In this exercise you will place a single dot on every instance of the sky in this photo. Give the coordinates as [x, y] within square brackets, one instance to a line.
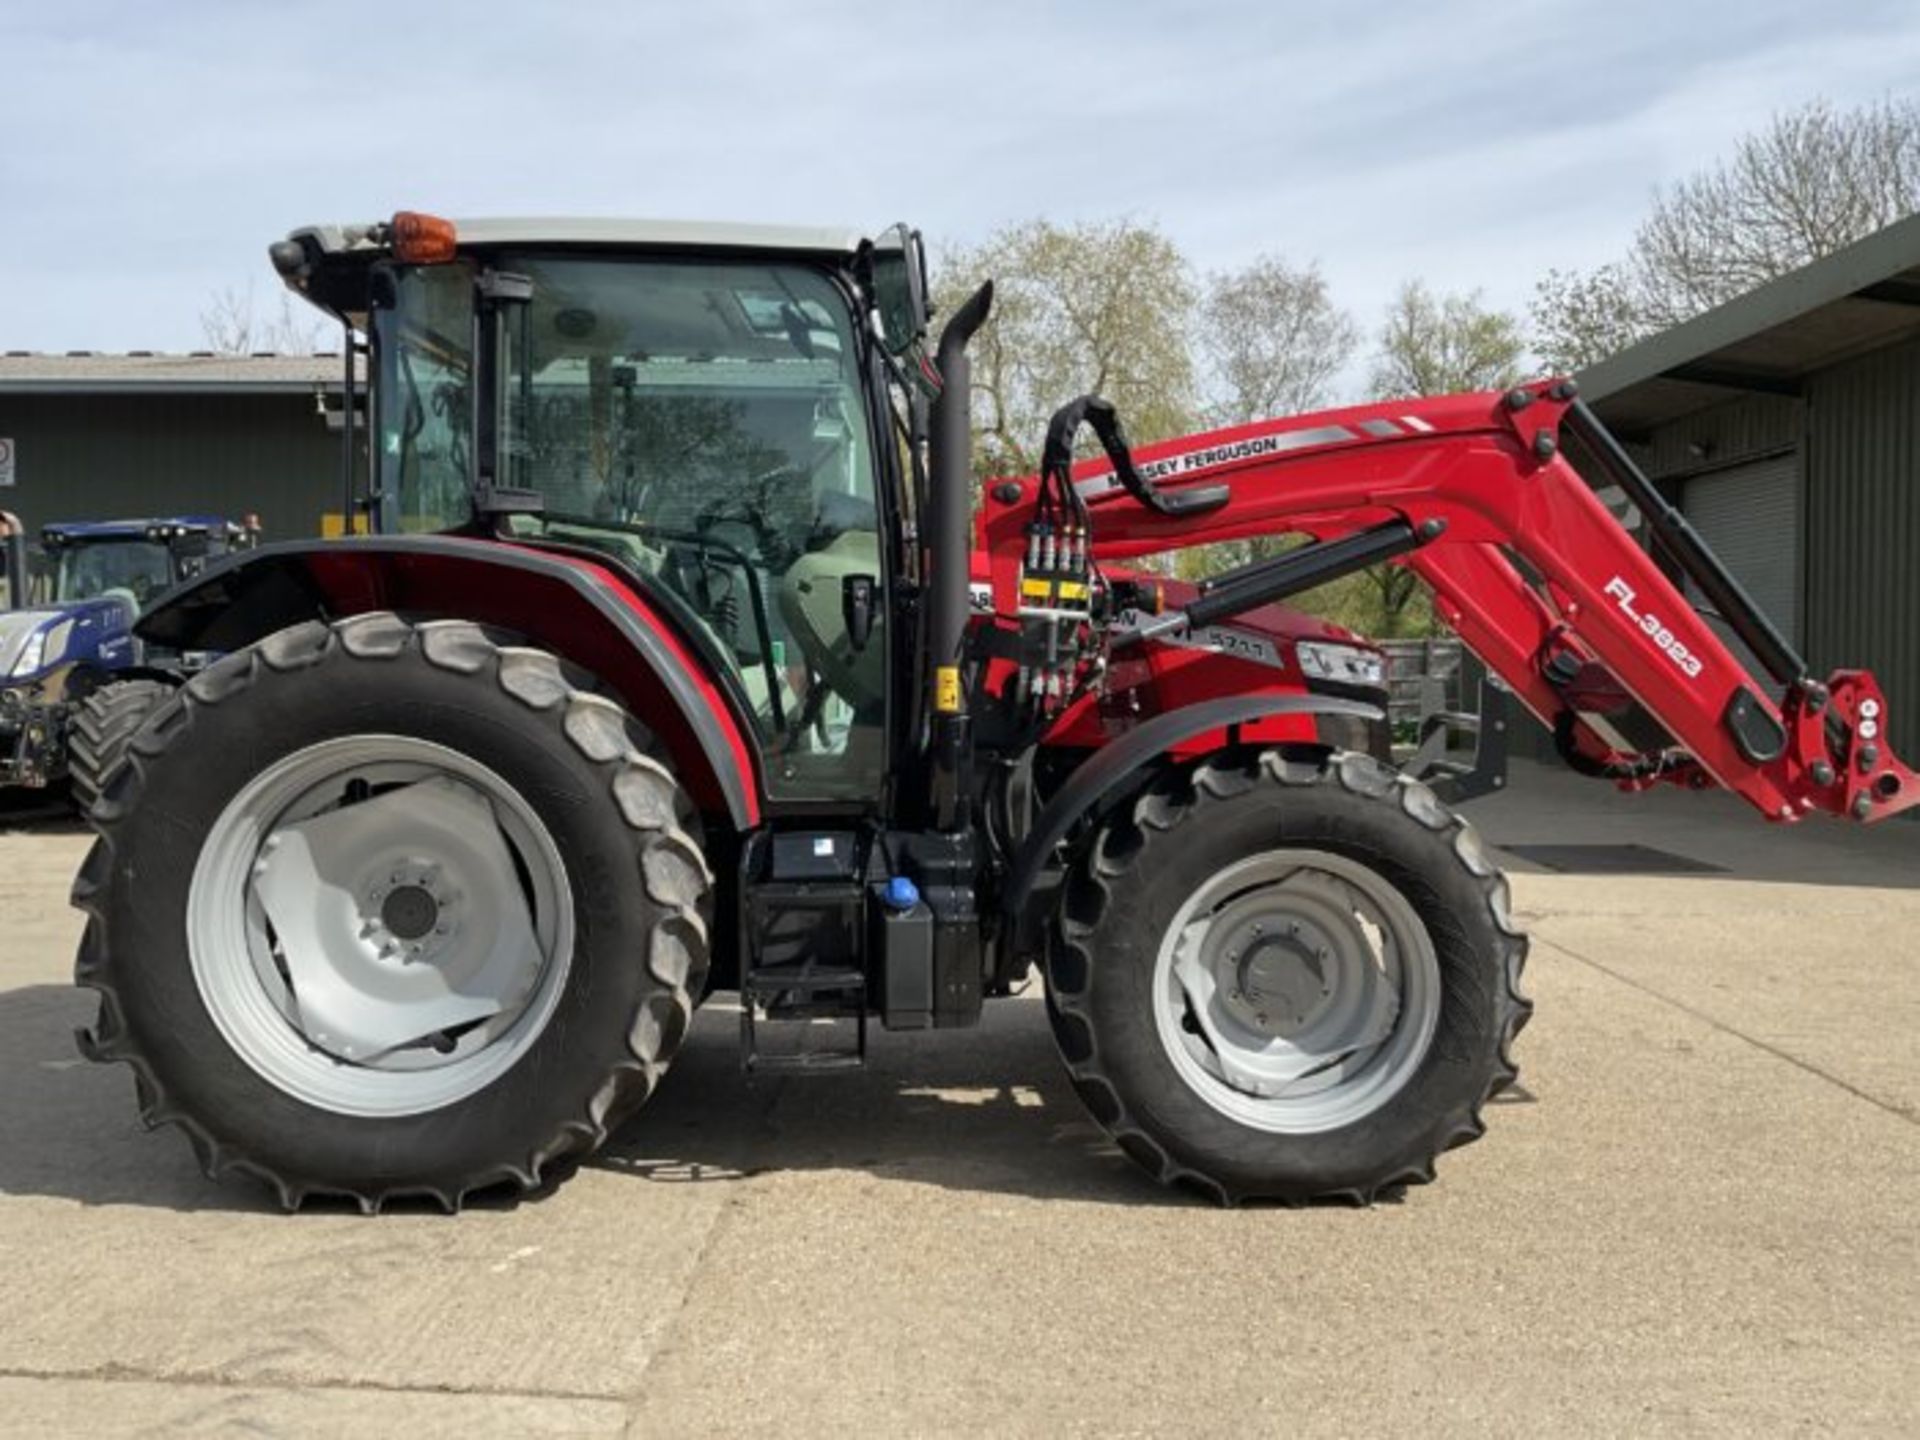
[149, 152]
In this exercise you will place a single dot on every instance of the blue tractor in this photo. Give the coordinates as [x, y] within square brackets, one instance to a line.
[75, 682]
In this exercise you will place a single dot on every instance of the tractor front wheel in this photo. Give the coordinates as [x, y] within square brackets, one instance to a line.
[384, 909]
[104, 726]
[1287, 976]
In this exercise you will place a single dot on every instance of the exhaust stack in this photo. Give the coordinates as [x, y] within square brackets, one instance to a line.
[949, 548]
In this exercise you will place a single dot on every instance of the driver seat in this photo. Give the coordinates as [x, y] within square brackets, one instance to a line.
[810, 602]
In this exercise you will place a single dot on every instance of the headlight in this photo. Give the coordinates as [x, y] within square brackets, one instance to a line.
[32, 655]
[1346, 664]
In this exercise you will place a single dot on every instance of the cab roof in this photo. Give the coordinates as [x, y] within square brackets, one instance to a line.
[605, 232]
[74, 531]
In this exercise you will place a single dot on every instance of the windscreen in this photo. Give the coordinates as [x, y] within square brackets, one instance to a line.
[702, 422]
[142, 569]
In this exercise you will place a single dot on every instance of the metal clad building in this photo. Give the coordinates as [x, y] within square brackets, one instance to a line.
[101, 437]
[1786, 424]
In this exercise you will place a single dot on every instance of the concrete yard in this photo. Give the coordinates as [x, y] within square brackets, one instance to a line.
[1698, 1215]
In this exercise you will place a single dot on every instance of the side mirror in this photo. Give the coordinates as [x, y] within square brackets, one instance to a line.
[856, 608]
[897, 271]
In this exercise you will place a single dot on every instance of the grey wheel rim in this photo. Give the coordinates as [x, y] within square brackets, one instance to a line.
[379, 926]
[1296, 991]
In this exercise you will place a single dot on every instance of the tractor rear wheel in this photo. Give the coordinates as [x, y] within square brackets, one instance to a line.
[104, 725]
[383, 909]
[1287, 976]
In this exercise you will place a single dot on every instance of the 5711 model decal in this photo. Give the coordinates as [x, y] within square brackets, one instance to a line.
[1650, 625]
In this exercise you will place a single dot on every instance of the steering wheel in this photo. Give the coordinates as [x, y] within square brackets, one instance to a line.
[777, 507]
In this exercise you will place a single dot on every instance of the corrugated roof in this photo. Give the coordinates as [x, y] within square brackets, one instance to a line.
[149, 372]
[1768, 340]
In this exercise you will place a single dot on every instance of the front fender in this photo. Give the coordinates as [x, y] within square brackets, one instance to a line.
[1110, 769]
[577, 608]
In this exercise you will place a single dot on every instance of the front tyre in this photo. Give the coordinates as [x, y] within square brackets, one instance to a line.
[1287, 976]
[381, 909]
[103, 727]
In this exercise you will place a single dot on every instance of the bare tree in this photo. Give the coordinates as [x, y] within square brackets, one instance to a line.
[1098, 306]
[1272, 340]
[1813, 181]
[233, 325]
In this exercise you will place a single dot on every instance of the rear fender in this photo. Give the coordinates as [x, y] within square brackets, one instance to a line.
[581, 610]
[1108, 772]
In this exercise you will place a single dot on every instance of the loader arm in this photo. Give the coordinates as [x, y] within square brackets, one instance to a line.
[1534, 573]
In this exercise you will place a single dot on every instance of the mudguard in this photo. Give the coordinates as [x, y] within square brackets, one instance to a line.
[1111, 768]
[580, 608]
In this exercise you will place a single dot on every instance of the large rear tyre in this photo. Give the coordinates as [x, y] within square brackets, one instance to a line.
[104, 726]
[1288, 976]
[381, 909]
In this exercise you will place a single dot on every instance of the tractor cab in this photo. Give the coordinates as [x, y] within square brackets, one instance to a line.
[134, 561]
[704, 407]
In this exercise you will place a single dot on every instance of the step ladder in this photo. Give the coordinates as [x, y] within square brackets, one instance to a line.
[784, 984]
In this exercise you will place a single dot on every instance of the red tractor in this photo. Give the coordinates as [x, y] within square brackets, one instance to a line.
[661, 673]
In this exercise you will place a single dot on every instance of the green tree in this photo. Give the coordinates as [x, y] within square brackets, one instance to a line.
[1103, 306]
[1429, 345]
[1811, 181]
[1444, 344]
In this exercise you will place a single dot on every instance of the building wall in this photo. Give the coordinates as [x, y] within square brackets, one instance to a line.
[1862, 533]
[1730, 433]
[108, 456]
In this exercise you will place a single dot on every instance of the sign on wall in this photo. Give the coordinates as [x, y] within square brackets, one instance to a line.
[6, 461]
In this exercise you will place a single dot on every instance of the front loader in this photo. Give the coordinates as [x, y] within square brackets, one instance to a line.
[678, 661]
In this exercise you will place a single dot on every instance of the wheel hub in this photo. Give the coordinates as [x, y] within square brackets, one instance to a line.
[1279, 983]
[410, 911]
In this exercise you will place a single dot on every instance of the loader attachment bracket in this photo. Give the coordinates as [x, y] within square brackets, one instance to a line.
[1454, 782]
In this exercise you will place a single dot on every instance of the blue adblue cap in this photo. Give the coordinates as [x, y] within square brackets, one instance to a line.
[901, 893]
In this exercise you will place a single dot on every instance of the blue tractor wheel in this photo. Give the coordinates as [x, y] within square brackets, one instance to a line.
[103, 727]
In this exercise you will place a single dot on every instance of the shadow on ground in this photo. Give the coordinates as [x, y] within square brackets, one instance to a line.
[39, 812]
[985, 1110]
